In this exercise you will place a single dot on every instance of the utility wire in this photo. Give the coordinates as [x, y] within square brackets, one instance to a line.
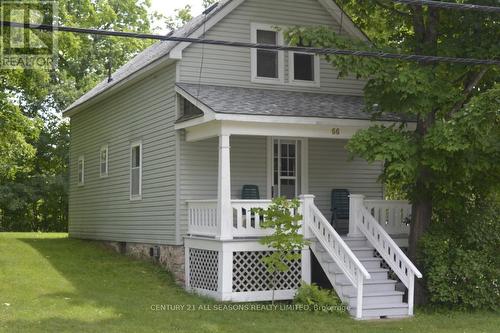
[320, 51]
[451, 5]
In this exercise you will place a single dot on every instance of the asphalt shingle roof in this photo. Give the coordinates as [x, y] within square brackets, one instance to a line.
[146, 57]
[266, 102]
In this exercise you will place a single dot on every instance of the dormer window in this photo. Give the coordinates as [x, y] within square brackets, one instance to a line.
[304, 68]
[267, 65]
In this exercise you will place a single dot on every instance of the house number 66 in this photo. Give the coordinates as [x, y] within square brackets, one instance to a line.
[335, 131]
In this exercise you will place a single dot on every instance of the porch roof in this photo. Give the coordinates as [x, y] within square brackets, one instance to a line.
[267, 102]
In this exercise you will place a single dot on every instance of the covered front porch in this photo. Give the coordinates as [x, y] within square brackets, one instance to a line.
[234, 157]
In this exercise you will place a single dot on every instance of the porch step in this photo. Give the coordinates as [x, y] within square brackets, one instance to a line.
[363, 252]
[378, 297]
[355, 241]
[385, 310]
[376, 274]
[371, 262]
[369, 286]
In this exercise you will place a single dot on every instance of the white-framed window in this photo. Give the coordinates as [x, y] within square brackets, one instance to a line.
[304, 68]
[103, 161]
[136, 170]
[81, 170]
[267, 65]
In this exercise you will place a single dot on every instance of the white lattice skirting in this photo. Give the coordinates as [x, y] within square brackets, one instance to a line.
[203, 269]
[250, 273]
[234, 271]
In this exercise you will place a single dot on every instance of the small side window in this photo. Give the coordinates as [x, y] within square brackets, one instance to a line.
[81, 170]
[103, 161]
[136, 171]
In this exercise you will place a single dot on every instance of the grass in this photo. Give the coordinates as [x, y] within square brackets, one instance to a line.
[49, 283]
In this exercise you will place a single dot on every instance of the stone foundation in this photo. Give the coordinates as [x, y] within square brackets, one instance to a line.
[171, 257]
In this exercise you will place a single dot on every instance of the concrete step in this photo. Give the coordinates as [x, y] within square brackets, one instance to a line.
[388, 310]
[369, 286]
[373, 298]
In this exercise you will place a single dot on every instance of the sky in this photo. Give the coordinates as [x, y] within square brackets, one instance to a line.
[167, 7]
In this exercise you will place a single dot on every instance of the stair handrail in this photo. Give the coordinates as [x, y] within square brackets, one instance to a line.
[329, 238]
[390, 252]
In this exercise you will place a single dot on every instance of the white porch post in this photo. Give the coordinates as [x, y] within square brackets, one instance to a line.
[224, 209]
[355, 204]
[307, 200]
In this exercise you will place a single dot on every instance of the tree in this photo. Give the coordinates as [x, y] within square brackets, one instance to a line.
[33, 137]
[286, 241]
[424, 162]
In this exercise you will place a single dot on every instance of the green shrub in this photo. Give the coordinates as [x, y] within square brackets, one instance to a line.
[461, 260]
[313, 298]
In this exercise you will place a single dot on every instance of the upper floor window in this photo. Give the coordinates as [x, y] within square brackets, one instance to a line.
[135, 170]
[81, 170]
[304, 68]
[103, 161]
[267, 65]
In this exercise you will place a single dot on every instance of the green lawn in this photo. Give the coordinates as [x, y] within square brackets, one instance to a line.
[49, 283]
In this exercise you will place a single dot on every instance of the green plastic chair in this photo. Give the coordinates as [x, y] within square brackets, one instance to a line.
[250, 192]
[340, 210]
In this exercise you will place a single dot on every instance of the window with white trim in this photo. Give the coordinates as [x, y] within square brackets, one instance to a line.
[303, 68]
[103, 161]
[135, 171]
[81, 170]
[267, 65]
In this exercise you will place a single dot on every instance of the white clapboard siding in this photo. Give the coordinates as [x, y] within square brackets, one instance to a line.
[101, 209]
[330, 167]
[231, 66]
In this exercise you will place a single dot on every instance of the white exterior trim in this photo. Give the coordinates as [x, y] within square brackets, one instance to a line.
[347, 24]
[176, 52]
[334, 129]
[253, 55]
[291, 71]
[133, 145]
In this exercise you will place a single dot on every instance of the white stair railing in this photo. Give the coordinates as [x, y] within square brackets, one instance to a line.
[393, 215]
[338, 250]
[390, 252]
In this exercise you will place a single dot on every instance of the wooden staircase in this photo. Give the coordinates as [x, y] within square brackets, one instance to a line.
[380, 297]
[353, 263]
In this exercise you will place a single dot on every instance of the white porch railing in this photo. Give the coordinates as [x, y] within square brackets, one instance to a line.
[368, 225]
[340, 253]
[393, 215]
[202, 217]
[247, 223]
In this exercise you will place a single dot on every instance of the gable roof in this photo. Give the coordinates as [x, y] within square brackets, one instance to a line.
[150, 55]
[153, 55]
[266, 102]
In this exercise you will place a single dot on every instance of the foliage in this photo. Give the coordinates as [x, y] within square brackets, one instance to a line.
[460, 258]
[316, 299]
[437, 158]
[55, 284]
[286, 241]
[181, 17]
[33, 137]
[16, 132]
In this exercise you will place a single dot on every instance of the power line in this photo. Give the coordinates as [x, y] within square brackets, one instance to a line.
[451, 5]
[320, 51]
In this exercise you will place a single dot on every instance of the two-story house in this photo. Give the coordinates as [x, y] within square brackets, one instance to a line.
[170, 156]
